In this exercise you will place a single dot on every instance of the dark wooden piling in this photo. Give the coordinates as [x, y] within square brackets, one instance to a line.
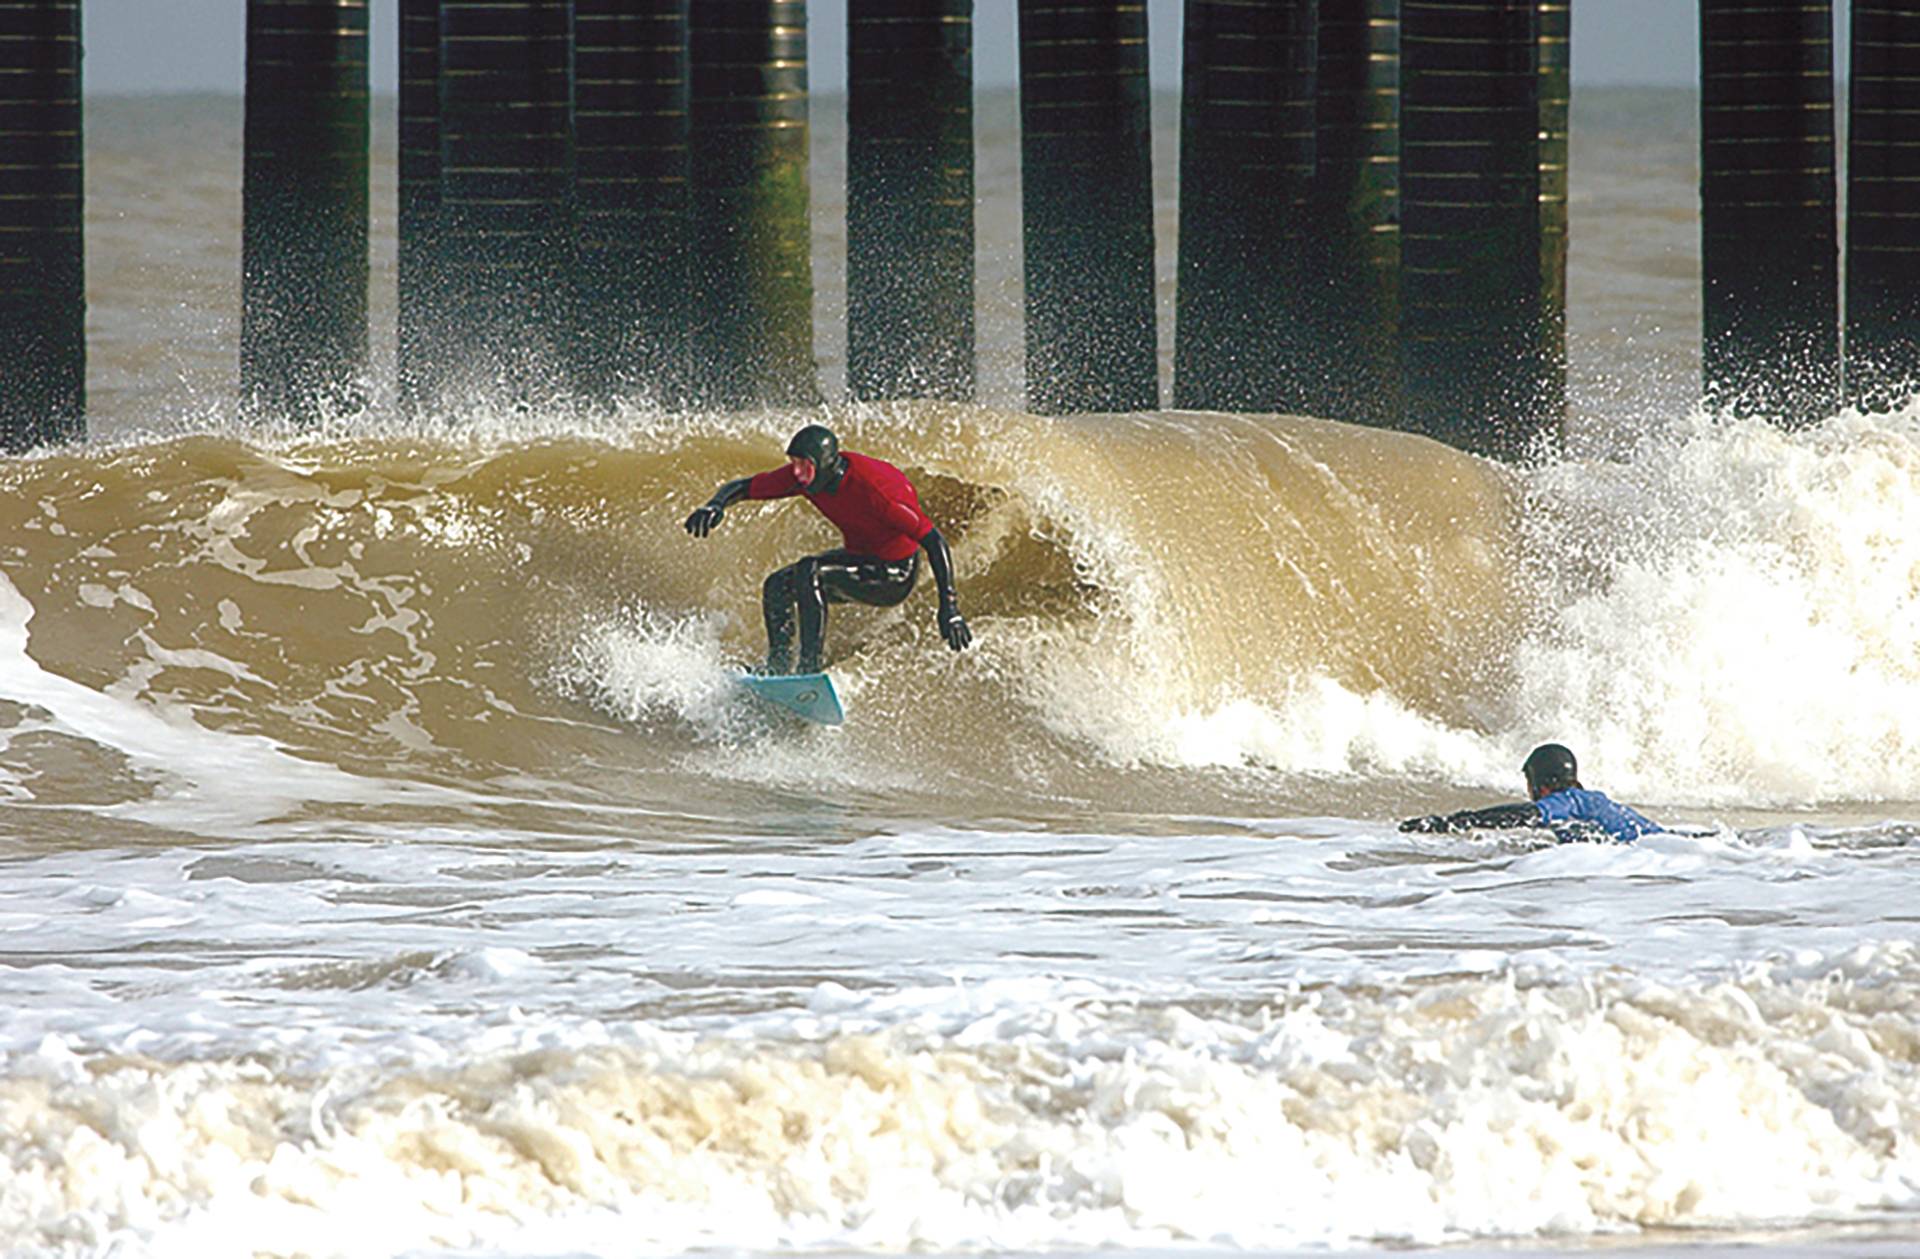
[506, 183]
[753, 330]
[43, 300]
[303, 300]
[1769, 247]
[418, 282]
[1883, 205]
[1556, 101]
[1471, 226]
[910, 239]
[1250, 278]
[1356, 210]
[633, 244]
[1087, 201]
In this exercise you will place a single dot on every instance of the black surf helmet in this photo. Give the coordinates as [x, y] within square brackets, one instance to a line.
[1550, 767]
[817, 442]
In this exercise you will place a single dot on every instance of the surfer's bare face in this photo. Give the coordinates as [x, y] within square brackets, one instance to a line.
[802, 469]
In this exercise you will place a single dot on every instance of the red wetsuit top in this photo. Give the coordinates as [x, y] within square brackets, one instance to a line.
[875, 506]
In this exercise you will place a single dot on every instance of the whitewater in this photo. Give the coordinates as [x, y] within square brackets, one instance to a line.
[388, 865]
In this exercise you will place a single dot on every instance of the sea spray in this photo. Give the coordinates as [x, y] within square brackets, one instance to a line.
[1732, 617]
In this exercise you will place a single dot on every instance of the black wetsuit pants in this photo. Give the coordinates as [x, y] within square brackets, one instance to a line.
[810, 585]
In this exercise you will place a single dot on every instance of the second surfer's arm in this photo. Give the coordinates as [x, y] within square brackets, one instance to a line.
[1494, 818]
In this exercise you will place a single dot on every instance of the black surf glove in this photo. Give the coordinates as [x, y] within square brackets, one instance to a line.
[953, 626]
[705, 520]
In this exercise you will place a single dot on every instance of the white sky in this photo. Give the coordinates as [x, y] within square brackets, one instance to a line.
[199, 45]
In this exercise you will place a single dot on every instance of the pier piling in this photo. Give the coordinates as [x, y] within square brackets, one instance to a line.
[1252, 285]
[303, 315]
[1883, 205]
[1769, 248]
[1555, 41]
[910, 236]
[506, 182]
[634, 230]
[43, 301]
[1087, 202]
[1471, 226]
[419, 281]
[753, 338]
[1356, 212]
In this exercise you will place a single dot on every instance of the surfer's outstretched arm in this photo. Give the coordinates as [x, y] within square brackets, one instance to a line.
[1499, 817]
[703, 519]
[953, 626]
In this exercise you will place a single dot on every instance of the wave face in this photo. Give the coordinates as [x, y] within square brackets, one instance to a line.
[1726, 618]
[459, 610]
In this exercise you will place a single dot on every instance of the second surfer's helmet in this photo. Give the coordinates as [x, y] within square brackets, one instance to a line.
[817, 442]
[1550, 767]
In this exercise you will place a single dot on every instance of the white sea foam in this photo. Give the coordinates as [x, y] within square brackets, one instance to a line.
[1737, 611]
[649, 666]
[1472, 1107]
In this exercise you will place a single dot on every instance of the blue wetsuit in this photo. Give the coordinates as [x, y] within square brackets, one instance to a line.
[1574, 814]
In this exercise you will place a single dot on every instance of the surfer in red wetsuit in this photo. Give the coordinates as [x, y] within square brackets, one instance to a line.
[881, 526]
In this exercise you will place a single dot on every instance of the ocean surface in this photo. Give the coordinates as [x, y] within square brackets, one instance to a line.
[388, 865]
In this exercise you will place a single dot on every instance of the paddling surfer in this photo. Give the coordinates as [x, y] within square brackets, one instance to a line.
[1556, 801]
[882, 531]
